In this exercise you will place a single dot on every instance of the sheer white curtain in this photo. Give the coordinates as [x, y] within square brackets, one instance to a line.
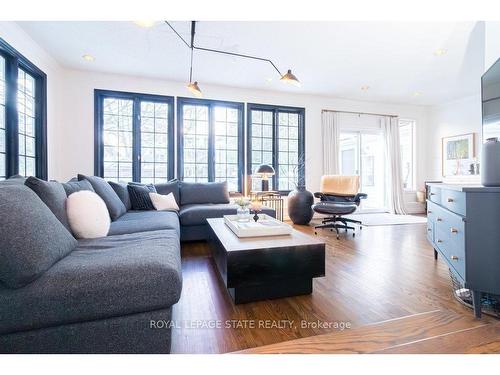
[330, 131]
[394, 186]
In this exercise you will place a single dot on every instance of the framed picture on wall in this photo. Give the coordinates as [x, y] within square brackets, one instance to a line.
[457, 154]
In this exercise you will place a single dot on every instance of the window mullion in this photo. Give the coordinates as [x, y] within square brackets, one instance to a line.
[136, 140]
[11, 116]
[211, 143]
[275, 149]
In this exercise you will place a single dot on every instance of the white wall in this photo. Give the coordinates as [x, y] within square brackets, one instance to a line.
[459, 116]
[76, 151]
[22, 42]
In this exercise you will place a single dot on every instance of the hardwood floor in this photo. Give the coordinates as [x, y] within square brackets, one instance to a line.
[384, 273]
[389, 336]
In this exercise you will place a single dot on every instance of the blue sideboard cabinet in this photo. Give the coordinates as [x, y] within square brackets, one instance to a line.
[463, 226]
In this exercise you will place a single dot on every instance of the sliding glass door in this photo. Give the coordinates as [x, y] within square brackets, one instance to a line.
[362, 154]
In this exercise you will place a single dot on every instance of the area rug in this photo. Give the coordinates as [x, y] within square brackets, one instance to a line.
[376, 219]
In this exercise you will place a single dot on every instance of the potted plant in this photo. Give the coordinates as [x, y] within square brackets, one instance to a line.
[243, 212]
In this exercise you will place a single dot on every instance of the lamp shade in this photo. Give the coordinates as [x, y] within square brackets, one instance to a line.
[289, 77]
[195, 90]
[265, 169]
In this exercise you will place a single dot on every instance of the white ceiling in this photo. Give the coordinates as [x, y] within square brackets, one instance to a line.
[395, 59]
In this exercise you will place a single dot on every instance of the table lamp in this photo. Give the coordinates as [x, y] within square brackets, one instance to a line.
[264, 171]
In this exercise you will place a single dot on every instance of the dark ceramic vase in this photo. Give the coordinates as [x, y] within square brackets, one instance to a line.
[299, 205]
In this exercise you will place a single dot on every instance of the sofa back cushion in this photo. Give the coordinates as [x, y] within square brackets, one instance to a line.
[53, 195]
[73, 185]
[172, 186]
[31, 237]
[122, 191]
[139, 196]
[206, 192]
[114, 204]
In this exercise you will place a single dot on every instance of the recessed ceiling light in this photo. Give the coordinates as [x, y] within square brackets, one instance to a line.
[440, 52]
[88, 57]
[269, 79]
[365, 88]
[145, 23]
[417, 93]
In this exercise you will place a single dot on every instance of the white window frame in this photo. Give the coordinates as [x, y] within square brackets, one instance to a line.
[412, 123]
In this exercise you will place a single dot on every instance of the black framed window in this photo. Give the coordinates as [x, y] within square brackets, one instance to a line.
[276, 137]
[23, 116]
[3, 135]
[133, 136]
[210, 141]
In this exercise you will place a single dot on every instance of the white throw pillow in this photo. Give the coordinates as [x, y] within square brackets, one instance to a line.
[88, 215]
[164, 202]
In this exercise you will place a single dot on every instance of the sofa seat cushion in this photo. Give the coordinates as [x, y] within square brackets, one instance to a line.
[102, 278]
[144, 221]
[197, 214]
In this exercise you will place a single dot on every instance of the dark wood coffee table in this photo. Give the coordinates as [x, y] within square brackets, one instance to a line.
[260, 268]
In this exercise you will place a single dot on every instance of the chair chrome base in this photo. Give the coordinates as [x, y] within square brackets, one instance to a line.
[332, 223]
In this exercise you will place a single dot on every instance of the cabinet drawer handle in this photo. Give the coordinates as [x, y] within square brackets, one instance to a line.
[429, 212]
[450, 200]
[453, 230]
[439, 219]
[431, 194]
[440, 241]
[454, 257]
[429, 230]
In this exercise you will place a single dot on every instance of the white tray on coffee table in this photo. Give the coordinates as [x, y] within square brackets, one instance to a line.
[265, 226]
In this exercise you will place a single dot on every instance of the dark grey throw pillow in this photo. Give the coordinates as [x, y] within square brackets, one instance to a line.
[206, 192]
[114, 204]
[53, 195]
[165, 188]
[139, 196]
[122, 191]
[73, 185]
[31, 237]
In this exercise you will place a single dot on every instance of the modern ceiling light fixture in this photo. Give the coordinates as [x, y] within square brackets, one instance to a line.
[193, 86]
[288, 77]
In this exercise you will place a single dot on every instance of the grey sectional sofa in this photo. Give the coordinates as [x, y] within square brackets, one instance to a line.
[62, 295]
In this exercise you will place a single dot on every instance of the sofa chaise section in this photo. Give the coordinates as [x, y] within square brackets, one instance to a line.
[99, 282]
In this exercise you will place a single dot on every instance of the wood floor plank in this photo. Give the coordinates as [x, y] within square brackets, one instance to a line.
[477, 340]
[375, 337]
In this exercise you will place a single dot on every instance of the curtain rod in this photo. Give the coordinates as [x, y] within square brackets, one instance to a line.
[359, 113]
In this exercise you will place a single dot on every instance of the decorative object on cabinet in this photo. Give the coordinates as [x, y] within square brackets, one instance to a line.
[462, 226]
[457, 154]
[490, 171]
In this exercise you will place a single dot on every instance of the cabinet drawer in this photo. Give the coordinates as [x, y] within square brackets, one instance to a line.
[434, 194]
[453, 201]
